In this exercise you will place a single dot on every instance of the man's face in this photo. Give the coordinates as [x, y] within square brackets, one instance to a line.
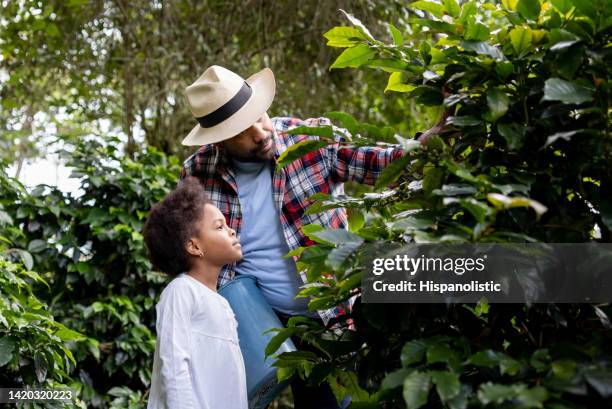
[254, 144]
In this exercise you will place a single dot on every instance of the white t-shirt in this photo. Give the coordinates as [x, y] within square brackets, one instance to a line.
[197, 363]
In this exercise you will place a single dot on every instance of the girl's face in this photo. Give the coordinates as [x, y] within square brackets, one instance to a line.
[215, 239]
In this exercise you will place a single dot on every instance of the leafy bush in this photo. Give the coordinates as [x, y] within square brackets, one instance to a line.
[34, 347]
[99, 279]
[521, 153]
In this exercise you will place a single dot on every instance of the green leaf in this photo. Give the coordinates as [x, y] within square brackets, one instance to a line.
[416, 389]
[52, 30]
[447, 384]
[452, 7]
[468, 10]
[344, 37]
[460, 401]
[587, 7]
[562, 5]
[398, 38]
[346, 120]
[521, 39]
[411, 223]
[562, 135]
[302, 148]
[432, 180]
[393, 171]
[504, 68]
[529, 9]
[5, 218]
[601, 381]
[395, 379]
[563, 45]
[395, 83]
[455, 189]
[460, 170]
[36, 246]
[357, 23]
[425, 51]
[413, 352]
[533, 397]
[441, 353]
[505, 202]
[7, 346]
[498, 102]
[322, 303]
[66, 334]
[354, 57]
[336, 236]
[277, 340]
[311, 228]
[477, 31]
[557, 35]
[428, 95]
[497, 393]
[345, 383]
[556, 89]
[483, 48]
[479, 210]
[390, 65]
[540, 360]
[26, 259]
[40, 366]
[513, 133]
[340, 254]
[463, 121]
[325, 131]
[434, 8]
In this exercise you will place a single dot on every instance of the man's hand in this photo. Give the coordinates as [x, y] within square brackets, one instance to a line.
[436, 129]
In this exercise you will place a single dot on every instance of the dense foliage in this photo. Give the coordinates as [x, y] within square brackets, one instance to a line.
[119, 68]
[33, 345]
[98, 279]
[521, 153]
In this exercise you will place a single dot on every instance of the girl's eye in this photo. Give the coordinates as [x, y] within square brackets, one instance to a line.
[219, 227]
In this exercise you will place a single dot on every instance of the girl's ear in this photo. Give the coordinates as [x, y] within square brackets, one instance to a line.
[194, 248]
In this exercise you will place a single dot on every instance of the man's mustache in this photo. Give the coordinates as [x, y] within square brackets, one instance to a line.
[262, 144]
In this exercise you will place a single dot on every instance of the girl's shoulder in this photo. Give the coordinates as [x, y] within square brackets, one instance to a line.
[179, 286]
[184, 286]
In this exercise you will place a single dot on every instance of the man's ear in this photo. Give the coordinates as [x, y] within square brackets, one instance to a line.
[194, 248]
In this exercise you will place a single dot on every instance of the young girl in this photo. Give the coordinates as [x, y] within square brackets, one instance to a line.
[197, 361]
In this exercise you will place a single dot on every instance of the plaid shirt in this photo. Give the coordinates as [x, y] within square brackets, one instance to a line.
[324, 170]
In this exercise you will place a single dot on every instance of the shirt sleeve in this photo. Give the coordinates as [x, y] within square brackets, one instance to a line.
[173, 330]
[188, 167]
[360, 164]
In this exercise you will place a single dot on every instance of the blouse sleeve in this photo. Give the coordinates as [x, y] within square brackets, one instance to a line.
[173, 330]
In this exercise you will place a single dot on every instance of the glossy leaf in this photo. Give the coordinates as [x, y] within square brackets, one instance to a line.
[556, 89]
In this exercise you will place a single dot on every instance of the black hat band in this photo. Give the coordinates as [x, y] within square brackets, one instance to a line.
[228, 109]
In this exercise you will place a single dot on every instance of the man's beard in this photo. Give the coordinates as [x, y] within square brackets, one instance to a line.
[258, 154]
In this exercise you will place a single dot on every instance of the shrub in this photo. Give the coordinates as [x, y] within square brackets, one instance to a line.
[521, 153]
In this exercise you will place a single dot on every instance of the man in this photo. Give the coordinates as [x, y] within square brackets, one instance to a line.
[236, 162]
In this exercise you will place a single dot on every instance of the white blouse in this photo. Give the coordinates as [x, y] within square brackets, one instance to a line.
[197, 363]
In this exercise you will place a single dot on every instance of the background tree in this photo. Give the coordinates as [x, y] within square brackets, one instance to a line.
[127, 63]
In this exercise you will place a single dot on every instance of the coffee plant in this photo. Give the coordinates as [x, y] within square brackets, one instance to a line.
[521, 153]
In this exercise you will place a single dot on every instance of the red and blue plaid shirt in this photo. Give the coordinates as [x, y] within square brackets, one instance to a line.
[324, 170]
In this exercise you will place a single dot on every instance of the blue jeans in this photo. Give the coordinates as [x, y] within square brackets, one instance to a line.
[311, 397]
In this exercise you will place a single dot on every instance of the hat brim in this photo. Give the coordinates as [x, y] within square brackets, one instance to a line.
[263, 87]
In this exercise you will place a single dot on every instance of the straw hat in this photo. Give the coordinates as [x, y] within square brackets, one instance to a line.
[224, 104]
